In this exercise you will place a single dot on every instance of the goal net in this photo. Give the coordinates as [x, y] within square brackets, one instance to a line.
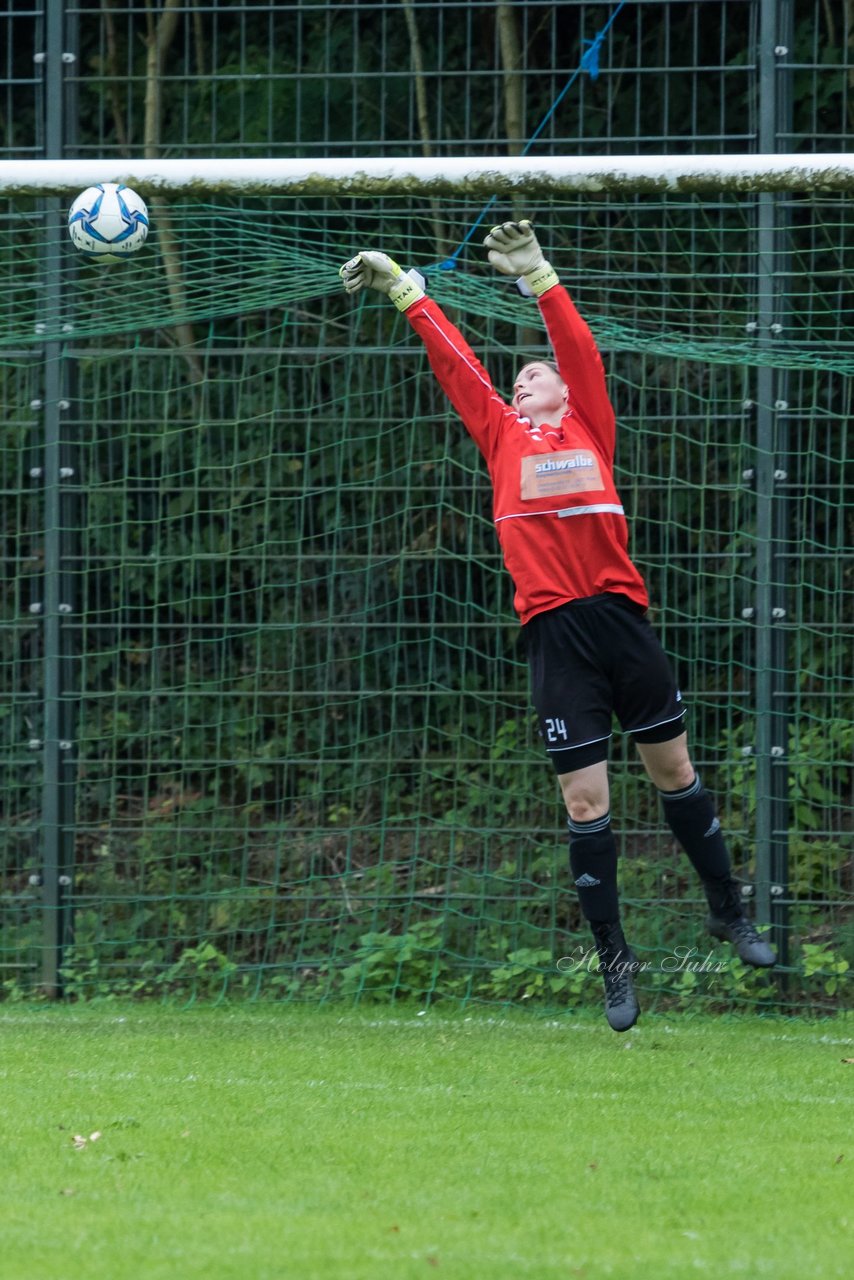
[259, 638]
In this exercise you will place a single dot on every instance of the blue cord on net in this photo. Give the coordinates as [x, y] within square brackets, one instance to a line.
[590, 64]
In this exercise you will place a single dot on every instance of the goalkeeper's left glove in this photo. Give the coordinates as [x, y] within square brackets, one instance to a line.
[373, 270]
[515, 251]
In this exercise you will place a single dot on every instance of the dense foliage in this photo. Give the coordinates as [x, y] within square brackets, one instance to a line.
[304, 756]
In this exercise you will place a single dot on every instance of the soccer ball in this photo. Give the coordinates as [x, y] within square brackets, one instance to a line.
[108, 222]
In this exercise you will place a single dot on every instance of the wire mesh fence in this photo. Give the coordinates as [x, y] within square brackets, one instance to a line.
[290, 732]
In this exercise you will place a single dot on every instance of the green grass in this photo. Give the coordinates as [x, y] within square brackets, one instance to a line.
[259, 1143]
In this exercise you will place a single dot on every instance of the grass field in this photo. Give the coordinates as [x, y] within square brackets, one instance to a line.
[255, 1143]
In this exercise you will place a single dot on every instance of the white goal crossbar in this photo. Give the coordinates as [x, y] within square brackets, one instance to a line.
[450, 176]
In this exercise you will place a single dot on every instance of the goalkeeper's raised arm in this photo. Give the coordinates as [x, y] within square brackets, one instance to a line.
[458, 370]
[580, 598]
[515, 251]
[550, 449]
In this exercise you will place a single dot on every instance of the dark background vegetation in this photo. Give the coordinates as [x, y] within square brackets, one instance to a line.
[303, 757]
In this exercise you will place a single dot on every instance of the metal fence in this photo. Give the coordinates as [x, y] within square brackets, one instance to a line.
[318, 79]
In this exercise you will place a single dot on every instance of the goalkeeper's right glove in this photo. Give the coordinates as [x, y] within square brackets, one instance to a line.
[373, 270]
[515, 251]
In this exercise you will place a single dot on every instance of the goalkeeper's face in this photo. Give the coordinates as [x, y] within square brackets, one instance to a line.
[540, 393]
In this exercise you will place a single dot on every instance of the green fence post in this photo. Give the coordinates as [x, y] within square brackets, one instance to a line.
[772, 691]
[55, 604]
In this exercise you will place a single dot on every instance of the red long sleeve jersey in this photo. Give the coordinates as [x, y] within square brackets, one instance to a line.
[559, 518]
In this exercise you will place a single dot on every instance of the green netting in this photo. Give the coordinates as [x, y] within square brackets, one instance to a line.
[679, 279]
[300, 757]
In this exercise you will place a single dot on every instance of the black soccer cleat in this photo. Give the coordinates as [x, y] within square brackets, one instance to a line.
[750, 946]
[617, 963]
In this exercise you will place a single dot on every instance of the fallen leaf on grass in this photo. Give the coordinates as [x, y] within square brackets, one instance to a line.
[79, 1142]
[839, 1159]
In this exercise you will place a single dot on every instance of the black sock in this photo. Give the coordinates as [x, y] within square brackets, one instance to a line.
[692, 819]
[593, 861]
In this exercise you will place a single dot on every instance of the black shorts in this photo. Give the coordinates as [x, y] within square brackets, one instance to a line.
[589, 660]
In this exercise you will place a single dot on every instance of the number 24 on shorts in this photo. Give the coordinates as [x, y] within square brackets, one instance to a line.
[556, 731]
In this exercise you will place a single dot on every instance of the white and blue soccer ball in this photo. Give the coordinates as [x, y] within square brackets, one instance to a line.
[108, 222]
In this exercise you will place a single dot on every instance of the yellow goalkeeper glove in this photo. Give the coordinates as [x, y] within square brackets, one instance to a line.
[515, 251]
[371, 270]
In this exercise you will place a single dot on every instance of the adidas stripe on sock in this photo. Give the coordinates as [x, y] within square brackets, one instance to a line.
[593, 862]
[691, 816]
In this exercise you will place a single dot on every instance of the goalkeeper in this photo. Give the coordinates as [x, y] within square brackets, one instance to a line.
[582, 602]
